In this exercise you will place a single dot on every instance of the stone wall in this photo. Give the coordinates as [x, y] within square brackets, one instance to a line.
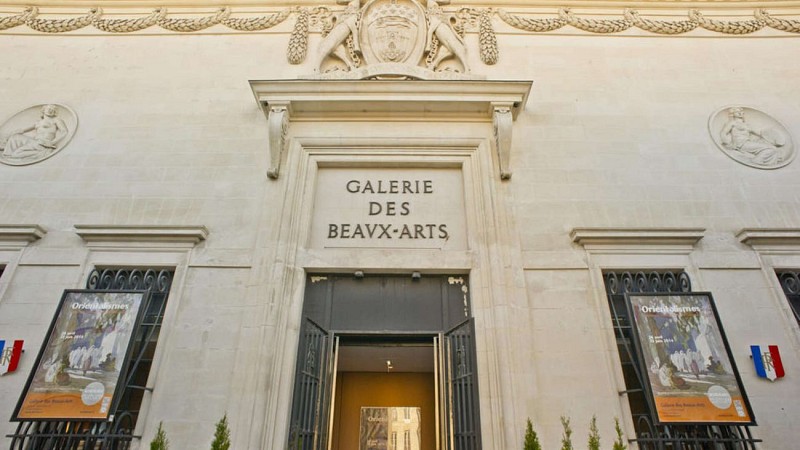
[614, 134]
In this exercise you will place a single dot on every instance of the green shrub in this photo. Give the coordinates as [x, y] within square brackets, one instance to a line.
[619, 444]
[531, 438]
[594, 435]
[566, 438]
[160, 442]
[222, 436]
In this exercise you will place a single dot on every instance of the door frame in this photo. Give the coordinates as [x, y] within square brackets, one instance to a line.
[494, 287]
[455, 393]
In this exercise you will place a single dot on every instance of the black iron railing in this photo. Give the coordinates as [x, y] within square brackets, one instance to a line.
[790, 282]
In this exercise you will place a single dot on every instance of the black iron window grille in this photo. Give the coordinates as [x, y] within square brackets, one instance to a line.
[790, 282]
[649, 435]
[117, 432]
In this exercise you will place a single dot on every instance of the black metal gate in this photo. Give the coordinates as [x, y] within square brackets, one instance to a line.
[117, 432]
[650, 436]
[311, 400]
[460, 380]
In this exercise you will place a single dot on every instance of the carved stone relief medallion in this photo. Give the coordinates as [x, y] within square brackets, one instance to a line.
[392, 31]
[751, 137]
[36, 133]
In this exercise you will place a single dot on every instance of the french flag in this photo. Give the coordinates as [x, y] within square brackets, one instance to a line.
[767, 361]
[9, 356]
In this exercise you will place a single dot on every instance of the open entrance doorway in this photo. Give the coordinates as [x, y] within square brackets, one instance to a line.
[386, 363]
[385, 394]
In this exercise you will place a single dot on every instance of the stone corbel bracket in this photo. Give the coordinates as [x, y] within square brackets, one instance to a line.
[503, 120]
[278, 120]
[496, 102]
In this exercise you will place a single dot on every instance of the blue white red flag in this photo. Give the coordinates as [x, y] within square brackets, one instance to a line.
[767, 360]
[9, 356]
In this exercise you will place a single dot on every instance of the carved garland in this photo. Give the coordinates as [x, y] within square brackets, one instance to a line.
[317, 18]
[158, 17]
[298, 41]
[320, 19]
[631, 19]
[487, 40]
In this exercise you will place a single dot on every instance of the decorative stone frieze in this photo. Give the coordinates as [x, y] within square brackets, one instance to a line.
[321, 19]
[36, 133]
[631, 19]
[160, 17]
[751, 137]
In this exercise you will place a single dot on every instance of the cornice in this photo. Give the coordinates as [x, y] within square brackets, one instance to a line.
[769, 238]
[621, 237]
[332, 99]
[285, 101]
[168, 236]
[20, 235]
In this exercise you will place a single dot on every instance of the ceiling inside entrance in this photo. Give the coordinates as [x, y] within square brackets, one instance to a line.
[373, 358]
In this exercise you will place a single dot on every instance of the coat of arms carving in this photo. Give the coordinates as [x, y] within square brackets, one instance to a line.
[393, 32]
[393, 39]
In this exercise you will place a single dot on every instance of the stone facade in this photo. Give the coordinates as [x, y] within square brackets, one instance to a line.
[611, 159]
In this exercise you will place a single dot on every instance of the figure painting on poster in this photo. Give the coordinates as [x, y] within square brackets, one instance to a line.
[79, 366]
[692, 376]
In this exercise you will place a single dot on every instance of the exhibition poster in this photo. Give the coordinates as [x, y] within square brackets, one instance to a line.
[390, 428]
[686, 360]
[83, 360]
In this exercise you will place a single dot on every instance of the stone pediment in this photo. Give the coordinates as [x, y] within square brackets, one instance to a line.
[498, 102]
